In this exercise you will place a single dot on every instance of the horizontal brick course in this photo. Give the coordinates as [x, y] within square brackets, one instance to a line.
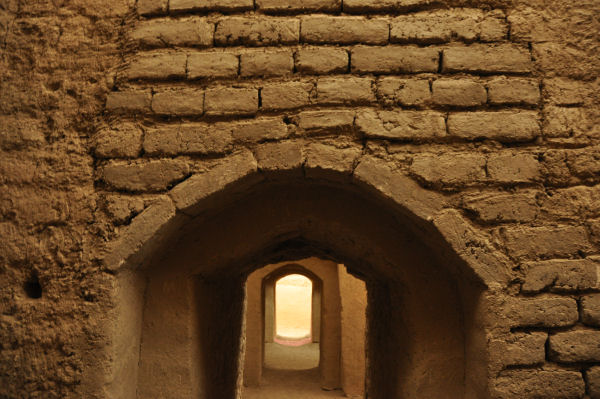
[537, 384]
[356, 6]
[121, 141]
[446, 25]
[212, 65]
[564, 91]
[196, 139]
[547, 312]
[394, 59]
[513, 91]
[259, 129]
[521, 349]
[152, 7]
[159, 65]
[345, 90]
[401, 125]
[264, 31]
[575, 346]
[156, 175]
[272, 62]
[590, 310]
[561, 276]
[504, 126]
[231, 101]
[503, 207]
[179, 102]
[328, 121]
[532, 242]
[179, 6]
[512, 168]
[193, 32]
[487, 59]
[321, 60]
[344, 30]
[450, 169]
[409, 92]
[129, 101]
[289, 6]
[458, 92]
[286, 95]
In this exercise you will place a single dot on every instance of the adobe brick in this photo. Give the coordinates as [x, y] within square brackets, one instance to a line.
[410, 92]
[561, 276]
[152, 7]
[286, 156]
[137, 239]
[187, 138]
[394, 59]
[121, 141]
[549, 312]
[578, 346]
[361, 6]
[565, 122]
[259, 130]
[546, 242]
[504, 126]
[345, 90]
[328, 161]
[520, 349]
[514, 168]
[590, 310]
[458, 92]
[564, 91]
[157, 65]
[155, 175]
[231, 101]
[482, 58]
[442, 26]
[286, 95]
[584, 163]
[194, 32]
[129, 101]
[503, 207]
[297, 6]
[328, 121]
[457, 169]
[536, 384]
[263, 31]
[179, 102]
[270, 62]
[213, 65]
[593, 382]
[239, 169]
[178, 6]
[321, 60]
[513, 91]
[401, 125]
[344, 30]
[572, 202]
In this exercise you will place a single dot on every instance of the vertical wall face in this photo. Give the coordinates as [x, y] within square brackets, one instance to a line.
[107, 106]
[353, 294]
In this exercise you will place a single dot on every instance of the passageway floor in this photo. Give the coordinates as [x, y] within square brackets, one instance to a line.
[290, 373]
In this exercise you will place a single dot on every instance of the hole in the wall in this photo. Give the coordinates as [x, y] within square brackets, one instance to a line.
[32, 287]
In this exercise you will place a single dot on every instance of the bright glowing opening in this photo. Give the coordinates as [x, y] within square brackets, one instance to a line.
[293, 307]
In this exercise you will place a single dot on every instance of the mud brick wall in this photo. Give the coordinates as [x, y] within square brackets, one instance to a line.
[110, 111]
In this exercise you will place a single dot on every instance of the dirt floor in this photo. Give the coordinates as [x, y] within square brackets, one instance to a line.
[290, 373]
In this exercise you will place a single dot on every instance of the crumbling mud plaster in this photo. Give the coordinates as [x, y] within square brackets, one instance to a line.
[156, 152]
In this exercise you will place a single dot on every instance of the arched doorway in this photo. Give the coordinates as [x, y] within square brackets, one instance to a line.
[423, 303]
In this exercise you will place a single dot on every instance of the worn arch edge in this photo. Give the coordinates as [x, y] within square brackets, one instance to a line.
[169, 212]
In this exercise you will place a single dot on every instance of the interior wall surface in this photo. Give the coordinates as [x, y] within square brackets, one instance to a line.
[133, 132]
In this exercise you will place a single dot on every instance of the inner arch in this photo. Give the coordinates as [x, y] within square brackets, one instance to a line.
[421, 307]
